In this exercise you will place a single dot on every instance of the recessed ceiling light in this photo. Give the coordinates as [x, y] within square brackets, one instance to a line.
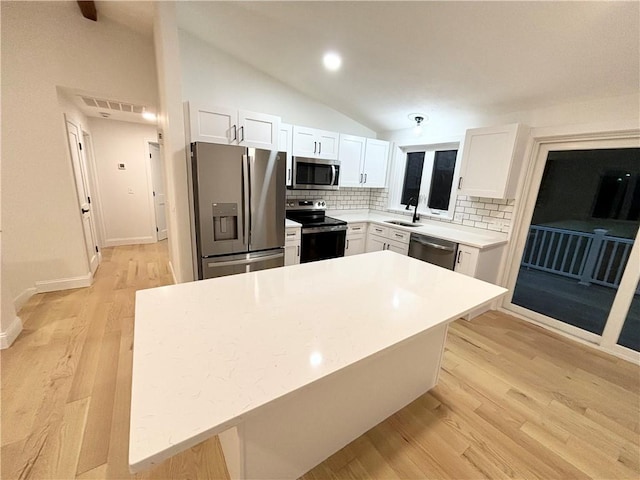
[332, 61]
[149, 116]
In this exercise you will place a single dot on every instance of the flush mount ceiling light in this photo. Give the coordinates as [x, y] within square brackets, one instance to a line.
[419, 119]
[332, 61]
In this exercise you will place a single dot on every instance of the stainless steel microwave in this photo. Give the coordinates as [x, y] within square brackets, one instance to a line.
[315, 174]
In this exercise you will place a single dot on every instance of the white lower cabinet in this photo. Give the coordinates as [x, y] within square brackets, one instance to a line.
[481, 264]
[292, 246]
[467, 260]
[356, 239]
[385, 238]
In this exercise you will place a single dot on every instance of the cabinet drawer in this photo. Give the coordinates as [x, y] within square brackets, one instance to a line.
[356, 229]
[378, 230]
[292, 235]
[399, 235]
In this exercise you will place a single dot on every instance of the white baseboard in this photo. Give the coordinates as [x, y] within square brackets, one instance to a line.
[64, 283]
[10, 334]
[116, 242]
[23, 298]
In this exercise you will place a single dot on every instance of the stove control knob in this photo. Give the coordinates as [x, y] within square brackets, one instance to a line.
[323, 204]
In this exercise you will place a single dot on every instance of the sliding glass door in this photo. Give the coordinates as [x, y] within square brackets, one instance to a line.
[573, 252]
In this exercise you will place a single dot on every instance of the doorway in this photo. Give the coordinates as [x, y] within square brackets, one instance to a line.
[575, 259]
[159, 193]
[83, 191]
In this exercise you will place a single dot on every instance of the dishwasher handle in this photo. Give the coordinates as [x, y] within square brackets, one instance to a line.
[433, 245]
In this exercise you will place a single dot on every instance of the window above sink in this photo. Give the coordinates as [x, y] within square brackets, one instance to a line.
[426, 172]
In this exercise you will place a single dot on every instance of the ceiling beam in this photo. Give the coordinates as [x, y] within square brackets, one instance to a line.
[88, 9]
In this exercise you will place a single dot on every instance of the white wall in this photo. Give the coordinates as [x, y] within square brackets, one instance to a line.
[607, 110]
[212, 77]
[172, 149]
[44, 45]
[125, 196]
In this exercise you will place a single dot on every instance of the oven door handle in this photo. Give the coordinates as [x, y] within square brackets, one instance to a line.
[338, 228]
[333, 175]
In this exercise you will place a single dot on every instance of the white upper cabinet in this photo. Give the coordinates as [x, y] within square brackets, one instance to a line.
[351, 156]
[233, 127]
[376, 157]
[258, 130]
[492, 159]
[213, 124]
[363, 162]
[314, 143]
[285, 144]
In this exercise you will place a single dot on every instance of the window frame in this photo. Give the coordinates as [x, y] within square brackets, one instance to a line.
[398, 172]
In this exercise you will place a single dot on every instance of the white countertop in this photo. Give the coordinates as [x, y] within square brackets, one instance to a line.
[291, 224]
[208, 353]
[474, 237]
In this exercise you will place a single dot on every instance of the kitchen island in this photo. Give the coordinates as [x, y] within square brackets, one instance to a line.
[288, 365]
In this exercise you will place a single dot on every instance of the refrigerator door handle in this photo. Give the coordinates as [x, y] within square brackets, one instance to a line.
[244, 261]
[246, 201]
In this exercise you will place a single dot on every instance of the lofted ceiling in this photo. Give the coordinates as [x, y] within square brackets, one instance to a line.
[444, 58]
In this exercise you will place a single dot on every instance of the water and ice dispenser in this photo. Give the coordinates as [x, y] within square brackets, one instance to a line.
[225, 221]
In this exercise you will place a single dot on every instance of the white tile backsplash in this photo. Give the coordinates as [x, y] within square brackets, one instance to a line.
[343, 199]
[485, 213]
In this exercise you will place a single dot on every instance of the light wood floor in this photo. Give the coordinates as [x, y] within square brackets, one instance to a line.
[514, 401]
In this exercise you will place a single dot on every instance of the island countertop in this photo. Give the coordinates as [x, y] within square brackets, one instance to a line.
[209, 353]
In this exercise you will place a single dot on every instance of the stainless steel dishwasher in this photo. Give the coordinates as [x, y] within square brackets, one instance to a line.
[433, 250]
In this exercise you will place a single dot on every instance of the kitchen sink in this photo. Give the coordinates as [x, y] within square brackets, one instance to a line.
[403, 224]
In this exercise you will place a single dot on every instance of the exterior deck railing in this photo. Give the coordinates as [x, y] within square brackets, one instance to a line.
[588, 257]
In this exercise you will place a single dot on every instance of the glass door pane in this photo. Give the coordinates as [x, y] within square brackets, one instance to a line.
[630, 334]
[583, 227]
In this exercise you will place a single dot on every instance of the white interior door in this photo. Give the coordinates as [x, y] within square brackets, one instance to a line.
[84, 194]
[159, 195]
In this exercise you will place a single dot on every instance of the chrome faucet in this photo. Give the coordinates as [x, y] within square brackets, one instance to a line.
[416, 217]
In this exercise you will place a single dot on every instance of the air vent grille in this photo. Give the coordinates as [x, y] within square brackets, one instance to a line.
[112, 104]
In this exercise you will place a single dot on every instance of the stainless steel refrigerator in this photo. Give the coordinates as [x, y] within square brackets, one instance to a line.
[237, 199]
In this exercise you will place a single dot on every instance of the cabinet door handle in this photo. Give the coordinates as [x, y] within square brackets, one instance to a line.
[355, 228]
[235, 133]
[288, 174]
[298, 254]
[399, 236]
[360, 178]
[459, 183]
[347, 244]
[319, 148]
[315, 146]
[365, 178]
[459, 253]
[242, 130]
